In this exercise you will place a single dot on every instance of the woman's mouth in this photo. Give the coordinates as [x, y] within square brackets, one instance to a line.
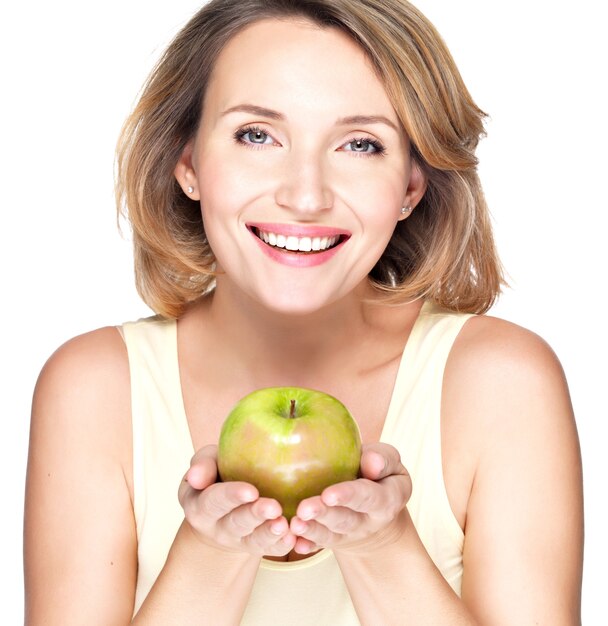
[298, 246]
[292, 243]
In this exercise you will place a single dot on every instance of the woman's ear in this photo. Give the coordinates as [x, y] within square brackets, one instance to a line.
[185, 174]
[415, 188]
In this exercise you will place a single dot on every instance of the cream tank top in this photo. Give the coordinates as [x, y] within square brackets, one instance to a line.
[311, 591]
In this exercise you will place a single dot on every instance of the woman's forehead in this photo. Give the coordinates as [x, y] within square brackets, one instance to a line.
[296, 63]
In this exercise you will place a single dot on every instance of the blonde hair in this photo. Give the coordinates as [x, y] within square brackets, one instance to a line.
[444, 251]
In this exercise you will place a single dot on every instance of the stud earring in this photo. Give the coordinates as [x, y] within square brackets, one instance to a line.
[405, 209]
[190, 189]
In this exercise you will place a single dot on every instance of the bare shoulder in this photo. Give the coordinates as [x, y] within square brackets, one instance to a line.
[84, 390]
[87, 363]
[505, 394]
[509, 367]
[82, 398]
[503, 343]
[85, 378]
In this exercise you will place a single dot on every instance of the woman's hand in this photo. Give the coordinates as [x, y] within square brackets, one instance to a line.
[231, 516]
[360, 514]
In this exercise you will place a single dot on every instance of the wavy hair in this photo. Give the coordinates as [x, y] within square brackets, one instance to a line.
[444, 251]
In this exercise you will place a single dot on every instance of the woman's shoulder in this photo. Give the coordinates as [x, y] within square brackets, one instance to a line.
[84, 387]
[492, 346]
[98, 355]
[500, 374]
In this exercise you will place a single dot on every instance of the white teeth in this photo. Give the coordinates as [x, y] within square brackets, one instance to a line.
[305, 244]
[292, 243]
[298, 244]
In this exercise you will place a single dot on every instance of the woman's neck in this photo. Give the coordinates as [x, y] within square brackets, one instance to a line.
[289, 343]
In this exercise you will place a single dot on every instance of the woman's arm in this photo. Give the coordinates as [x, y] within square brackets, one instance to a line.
[80, 542]
[523, 534]
[80, 536]
[524, 531]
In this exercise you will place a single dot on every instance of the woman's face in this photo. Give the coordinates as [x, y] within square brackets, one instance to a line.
[300, 165]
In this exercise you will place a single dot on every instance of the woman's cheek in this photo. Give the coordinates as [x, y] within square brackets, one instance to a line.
[375, 202]
[240, 175]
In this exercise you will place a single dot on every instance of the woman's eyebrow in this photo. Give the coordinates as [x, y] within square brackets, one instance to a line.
[366, 119]
[343, 121]
[256, 110]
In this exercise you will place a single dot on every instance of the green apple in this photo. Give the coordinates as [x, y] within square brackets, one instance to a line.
[290, 443]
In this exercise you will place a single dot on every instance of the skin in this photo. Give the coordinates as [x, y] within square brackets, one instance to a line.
[510, 452]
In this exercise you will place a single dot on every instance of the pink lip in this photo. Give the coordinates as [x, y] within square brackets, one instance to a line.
[295, 259]
[298, 230]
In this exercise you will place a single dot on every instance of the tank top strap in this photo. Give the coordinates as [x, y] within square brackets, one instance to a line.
[154, 368]
[162, 445]
[423, 360]
[413, 426]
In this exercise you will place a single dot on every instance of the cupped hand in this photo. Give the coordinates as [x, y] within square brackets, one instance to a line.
[231, 516]
[359, 514]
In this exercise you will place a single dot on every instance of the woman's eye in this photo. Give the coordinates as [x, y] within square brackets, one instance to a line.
[364, 146]
[253, 136]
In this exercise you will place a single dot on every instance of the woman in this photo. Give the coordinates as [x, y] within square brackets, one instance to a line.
[301, 182]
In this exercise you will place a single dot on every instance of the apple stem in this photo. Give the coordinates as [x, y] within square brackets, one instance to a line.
[292, 409]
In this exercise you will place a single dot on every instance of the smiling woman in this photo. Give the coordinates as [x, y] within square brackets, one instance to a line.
[309, 224]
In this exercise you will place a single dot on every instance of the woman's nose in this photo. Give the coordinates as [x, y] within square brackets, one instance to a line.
[304, 185]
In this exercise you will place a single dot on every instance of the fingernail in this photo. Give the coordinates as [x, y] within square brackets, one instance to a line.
[276, 530]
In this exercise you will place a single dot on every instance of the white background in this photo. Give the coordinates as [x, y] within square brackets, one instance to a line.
[70, 72]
